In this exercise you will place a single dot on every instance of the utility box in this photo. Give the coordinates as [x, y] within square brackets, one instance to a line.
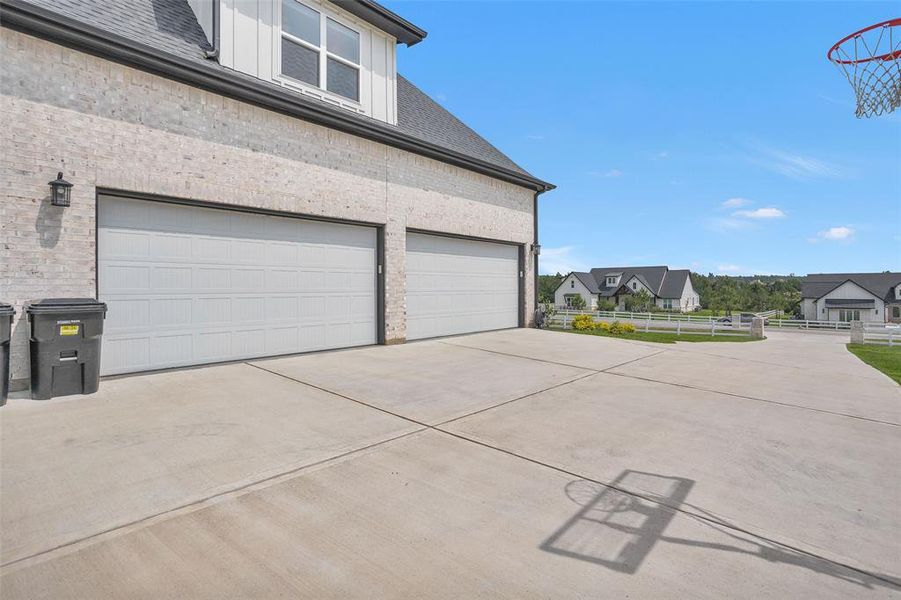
[7, 313]
[65, 346]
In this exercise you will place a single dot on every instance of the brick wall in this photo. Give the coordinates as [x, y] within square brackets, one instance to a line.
[110, 126]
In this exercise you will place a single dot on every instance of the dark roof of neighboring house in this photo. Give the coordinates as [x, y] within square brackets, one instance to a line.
[170, 28]
[662, 282]
[881, 285]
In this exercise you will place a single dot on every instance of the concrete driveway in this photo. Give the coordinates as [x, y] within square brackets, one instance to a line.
[512, 464]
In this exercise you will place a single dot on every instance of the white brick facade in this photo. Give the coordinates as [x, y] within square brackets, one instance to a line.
[110, 126]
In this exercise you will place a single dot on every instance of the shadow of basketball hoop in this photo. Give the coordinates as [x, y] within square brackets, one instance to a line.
[618, 530]
[615, 529]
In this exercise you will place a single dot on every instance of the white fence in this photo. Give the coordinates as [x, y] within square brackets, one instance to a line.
[658, 322]
[707, 322]
[881, 333]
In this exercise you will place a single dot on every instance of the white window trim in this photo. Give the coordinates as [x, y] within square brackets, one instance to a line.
[324, 55]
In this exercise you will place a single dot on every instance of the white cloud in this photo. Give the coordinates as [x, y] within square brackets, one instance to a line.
[735, 202]
[662, 155]
[610, 173]
[769, 212]
[728, 269]
[535, 136]
[724, 225]
[560, 260]
[836, 234]
[794, 165]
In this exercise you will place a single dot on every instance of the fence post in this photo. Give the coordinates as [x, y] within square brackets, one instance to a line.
[712, 327]
[757, 328]
[647, 324]
[678, 327]
[857, 332]
[890, 332]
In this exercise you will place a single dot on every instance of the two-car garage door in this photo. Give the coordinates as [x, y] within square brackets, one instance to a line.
[187, 285]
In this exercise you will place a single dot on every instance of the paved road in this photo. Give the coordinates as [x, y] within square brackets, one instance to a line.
[512, 464]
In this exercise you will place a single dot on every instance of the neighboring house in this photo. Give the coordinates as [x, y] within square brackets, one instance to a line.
[250, 179]
[670, 289]
[874, 297]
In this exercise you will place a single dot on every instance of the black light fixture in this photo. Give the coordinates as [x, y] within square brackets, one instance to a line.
[536, 249]
[60, 191]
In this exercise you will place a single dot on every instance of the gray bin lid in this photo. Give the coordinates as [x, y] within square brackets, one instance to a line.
[64, 306]
[6, 310]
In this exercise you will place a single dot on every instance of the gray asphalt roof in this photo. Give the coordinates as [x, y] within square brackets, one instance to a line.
[674, 283]
[170, 26]
[660, 280]
[588, 281]
[817, 285]
[652, 277]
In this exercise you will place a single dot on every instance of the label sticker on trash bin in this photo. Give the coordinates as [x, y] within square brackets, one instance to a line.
[68, 329]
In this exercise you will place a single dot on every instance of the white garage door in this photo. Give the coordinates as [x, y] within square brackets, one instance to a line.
[459, 286]
[188, 285]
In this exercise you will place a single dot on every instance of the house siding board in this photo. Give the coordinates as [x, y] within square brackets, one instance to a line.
[250, 39]
[577, 287]
[849, 291]
[129, 130]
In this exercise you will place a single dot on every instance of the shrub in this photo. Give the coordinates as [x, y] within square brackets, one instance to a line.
[618, 328]
[582, 322]
[602, 326]
[606, 305]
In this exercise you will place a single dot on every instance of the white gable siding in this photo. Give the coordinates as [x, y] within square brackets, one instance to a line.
[849, 291]
[203, 10]
[638, 286]
[572, 285]
[689, 300]
[250, 34]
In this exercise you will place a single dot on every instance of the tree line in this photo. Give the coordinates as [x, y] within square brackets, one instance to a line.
[723, 292]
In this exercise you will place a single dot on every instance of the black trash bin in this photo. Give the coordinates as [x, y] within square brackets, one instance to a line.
[65, 346]
[7, 313]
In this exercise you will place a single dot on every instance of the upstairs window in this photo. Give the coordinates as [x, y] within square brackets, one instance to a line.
[634, 285]
[320, 51]
[611, 281]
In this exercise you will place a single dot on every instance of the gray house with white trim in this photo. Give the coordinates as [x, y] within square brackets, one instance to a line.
[872, 297]
[250, 179]
[671, 289]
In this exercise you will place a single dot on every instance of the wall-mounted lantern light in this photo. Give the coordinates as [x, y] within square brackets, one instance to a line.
[60, 191]
[536, 249]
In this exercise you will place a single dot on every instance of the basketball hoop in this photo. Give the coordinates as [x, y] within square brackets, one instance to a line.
[871, 61]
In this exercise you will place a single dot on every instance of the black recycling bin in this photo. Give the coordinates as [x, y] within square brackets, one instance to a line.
[6, 321]
[65, 346]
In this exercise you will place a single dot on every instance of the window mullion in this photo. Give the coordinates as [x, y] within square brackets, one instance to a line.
[323, 52]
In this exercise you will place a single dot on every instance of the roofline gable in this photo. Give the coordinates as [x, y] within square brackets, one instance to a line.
[41, 22]
[864, 288]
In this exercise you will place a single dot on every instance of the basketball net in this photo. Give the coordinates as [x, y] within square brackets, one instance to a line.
[871, 61]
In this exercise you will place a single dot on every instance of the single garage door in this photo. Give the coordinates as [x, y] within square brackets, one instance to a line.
[187, 285]
[460, 286]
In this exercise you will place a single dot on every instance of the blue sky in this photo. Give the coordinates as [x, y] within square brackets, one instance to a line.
[705, 135]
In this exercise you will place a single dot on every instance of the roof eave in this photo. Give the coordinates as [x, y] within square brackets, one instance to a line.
[386, 20]
[41, 22]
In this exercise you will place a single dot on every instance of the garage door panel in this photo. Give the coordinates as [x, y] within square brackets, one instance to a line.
[460, 286]
[188, 285]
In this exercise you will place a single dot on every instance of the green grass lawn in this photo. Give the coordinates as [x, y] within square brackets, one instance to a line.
[885, 358]
[666, 338]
